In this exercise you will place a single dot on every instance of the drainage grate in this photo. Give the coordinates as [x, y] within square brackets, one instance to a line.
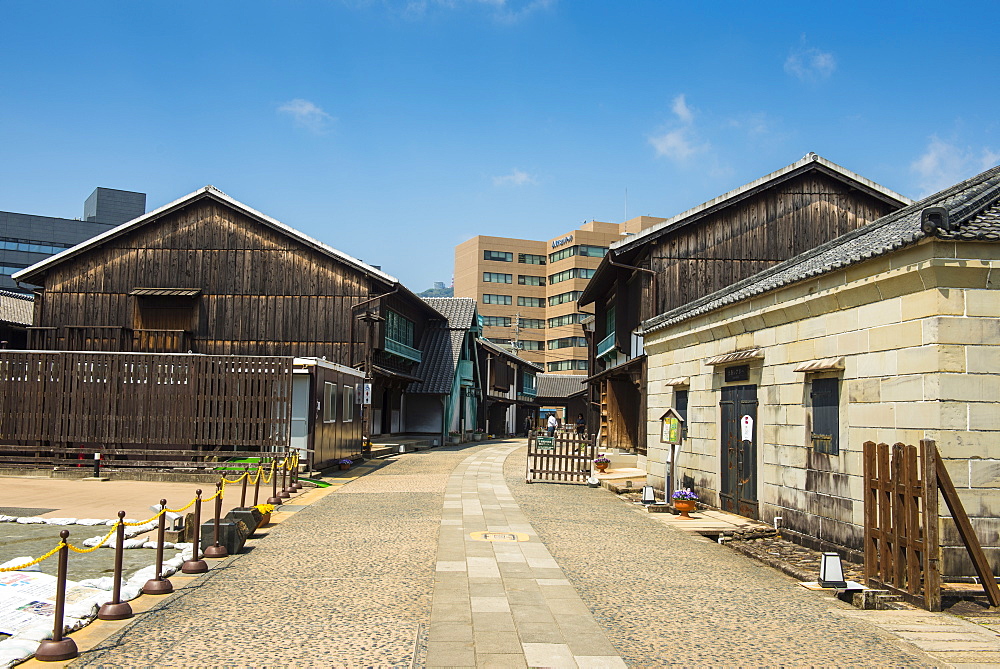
[22, 511]
[498, 536]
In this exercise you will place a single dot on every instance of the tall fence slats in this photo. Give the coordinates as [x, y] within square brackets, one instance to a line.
[564, 457]
[53, 402]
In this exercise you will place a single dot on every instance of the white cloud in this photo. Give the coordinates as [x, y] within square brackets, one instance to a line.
[943, 164]
[683, 112]
[679, 143]
[502, 11]
[307, 115]
[515, 178]
[810, 64]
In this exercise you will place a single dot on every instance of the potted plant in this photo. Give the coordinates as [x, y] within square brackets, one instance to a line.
[345, 464]
[685, 501]
[454, 437]
[601, 462]
[265, 513]
[478, 434]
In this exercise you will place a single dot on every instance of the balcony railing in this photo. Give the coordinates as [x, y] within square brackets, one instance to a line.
[606, 345]
[402, 350]
[111, 338]
[529, 392]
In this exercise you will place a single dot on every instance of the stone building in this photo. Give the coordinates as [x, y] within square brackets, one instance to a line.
[889, 333]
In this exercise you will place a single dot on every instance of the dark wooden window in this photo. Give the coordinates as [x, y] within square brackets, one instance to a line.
[826, 415]
[329, 402]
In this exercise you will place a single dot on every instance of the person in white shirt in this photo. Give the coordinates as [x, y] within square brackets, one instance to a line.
[552, 424]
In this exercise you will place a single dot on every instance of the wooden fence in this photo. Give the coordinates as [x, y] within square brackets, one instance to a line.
[902, 547]
[140, 410]
[564, 457]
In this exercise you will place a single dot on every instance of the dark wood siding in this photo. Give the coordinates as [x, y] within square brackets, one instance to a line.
[262, 291]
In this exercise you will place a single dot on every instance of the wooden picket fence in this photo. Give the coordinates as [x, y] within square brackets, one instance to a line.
[564, 457]
[140, 410]
[902, 546]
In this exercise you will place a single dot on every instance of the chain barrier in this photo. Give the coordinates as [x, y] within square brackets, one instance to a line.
[145, 522]
[36, 560]
[94, 548]
[183, 508]
[225, 480]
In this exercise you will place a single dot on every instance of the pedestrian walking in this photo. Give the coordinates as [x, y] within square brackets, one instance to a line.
[552, 424]
[581, 425]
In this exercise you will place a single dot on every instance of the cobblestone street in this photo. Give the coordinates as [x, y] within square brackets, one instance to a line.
[383, 571]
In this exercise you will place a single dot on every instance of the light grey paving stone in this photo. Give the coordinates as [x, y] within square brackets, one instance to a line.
[595, 645]
[498, 661]
[492, 643]
[451, 612]
[450, 654]
[491, 589]
[449, 565]
[493, 622]
[450, 631]
[568, 605]
[489, 605]
[533, 614]
[540, 633]
[548, 655]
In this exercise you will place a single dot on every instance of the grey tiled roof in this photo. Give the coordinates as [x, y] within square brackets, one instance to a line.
[560, 385]
[16, 308]
[499, 350]
[459, 311]
[441, 349]
[973, 208]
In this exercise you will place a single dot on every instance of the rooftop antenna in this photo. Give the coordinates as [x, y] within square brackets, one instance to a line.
[626, 203]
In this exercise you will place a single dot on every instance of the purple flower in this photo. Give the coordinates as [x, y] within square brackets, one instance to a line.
[685, 494]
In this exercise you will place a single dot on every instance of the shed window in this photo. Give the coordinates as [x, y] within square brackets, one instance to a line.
[348, 396]
[329, 402]
[826, 415]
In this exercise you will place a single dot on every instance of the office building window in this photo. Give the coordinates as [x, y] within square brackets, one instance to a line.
[562, 298]
[530, 301]
[572, 273]
[496, 299]
[497, 277]
[497, 321]
[530, 259]
[533, 323]
[530, 345]
[568, 319]
[526, 280]
[566, 365]
[578, 250]
[499, 256]
[567, 342]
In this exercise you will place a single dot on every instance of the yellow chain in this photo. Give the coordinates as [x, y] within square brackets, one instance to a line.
[218, 493]
[94, 548]
[267, 479]
[34, 562]
[143, 522]
[225, 480]
[253, 480]
[184, 508]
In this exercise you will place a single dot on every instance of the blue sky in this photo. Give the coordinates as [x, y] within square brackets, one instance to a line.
[395, 130]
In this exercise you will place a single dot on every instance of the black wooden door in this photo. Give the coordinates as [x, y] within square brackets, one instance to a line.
[739, 457]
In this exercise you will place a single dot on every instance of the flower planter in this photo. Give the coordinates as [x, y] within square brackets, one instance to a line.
[601, 466]
[685, 506]
[264, 520]
[344, 467]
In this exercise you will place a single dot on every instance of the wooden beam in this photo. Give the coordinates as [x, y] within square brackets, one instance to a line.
[967, 533]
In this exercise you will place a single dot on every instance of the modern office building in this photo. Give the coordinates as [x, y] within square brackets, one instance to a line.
[527, 289]
[26, 239]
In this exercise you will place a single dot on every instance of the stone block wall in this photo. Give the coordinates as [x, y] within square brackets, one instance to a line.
[919, 335]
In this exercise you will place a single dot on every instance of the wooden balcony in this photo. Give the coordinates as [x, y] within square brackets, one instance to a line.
[110, 338]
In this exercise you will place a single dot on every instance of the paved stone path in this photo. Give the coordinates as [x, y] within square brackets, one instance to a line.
[385, 572]
[503, 603]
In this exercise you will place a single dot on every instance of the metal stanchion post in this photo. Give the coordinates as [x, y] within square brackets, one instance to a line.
[117, 609]
[195, 565]
[216, 550]
[243, 491]
[59, 648]
[159, 585]
[256, 484]
[295, 473]
[286, 492]
[274, 498]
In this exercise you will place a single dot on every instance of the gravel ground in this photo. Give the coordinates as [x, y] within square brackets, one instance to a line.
[355, 592]
[667, 598]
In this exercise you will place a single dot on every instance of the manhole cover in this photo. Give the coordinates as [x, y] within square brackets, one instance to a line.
[22, 511]
[498, 536]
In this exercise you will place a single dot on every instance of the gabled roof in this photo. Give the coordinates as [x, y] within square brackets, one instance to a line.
[207, 192]
[809, 162]
[973, 209]
[625, 249]
[460, 311]
[501, 351]
[560, 385]
[16, 308]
